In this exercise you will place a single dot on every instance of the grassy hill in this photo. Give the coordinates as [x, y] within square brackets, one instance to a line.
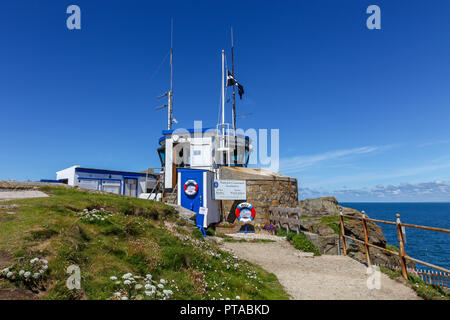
[131, 239]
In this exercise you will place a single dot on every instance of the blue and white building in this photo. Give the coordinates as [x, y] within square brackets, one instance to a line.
[126, 183]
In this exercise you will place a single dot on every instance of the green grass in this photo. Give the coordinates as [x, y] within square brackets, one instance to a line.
[299, 241]
[332, 222]
[425, 291]
[391, 247]
[135, 239]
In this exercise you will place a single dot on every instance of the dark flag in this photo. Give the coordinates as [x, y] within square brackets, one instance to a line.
[231, 81]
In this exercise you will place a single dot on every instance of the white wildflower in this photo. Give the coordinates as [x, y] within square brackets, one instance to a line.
[21, 272]
[9, 274]
[27, 274]
[36, 275]
[161, 286]
[238, 298]
[167, 292]
[117, 294]
[124, 298]
[127, 282]
[138, 286]
[113, 278]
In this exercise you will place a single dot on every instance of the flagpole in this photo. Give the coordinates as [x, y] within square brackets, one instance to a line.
[234, 90]
[235, 151]
[223, 91]
[170, 95]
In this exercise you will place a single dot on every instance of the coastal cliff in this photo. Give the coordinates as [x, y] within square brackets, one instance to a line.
[320, 221]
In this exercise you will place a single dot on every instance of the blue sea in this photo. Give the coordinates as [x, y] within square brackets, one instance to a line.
[428, 246]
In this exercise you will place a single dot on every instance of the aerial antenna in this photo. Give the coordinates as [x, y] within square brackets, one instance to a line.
[169, 94]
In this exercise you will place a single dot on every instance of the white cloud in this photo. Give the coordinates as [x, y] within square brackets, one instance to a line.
[433, 143]
[383, 175]
[424, 191]
[298, 163]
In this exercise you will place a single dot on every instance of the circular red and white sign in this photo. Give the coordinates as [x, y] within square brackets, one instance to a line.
[245, 212]
[190, 187]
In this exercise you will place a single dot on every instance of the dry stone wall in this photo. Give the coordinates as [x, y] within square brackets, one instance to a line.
[264, 190]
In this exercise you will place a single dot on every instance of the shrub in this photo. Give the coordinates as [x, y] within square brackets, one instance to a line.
[300, 242]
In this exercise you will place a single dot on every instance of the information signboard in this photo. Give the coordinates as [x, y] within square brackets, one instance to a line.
[230, 190]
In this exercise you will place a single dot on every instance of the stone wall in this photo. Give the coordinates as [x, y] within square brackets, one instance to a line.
[264, 189]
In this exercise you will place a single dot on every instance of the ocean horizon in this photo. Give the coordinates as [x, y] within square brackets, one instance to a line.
[428, 246]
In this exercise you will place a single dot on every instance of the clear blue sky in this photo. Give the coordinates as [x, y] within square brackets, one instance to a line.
[363, 114]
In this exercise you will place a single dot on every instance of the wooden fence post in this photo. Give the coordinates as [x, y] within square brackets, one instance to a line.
[401, 247]
[366, 239]
[344, 246]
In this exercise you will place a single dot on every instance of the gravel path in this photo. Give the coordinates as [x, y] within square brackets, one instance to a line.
[314, 278]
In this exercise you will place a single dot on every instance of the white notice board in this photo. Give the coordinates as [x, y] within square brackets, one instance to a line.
[230, 190]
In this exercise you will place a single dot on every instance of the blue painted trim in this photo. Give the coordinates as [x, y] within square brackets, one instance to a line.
[190, 170]
[50, 181]
[121, 173]
[90, 178]
[137, 184]
[188, 130]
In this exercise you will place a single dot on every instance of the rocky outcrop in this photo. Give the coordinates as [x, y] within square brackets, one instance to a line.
[321, 217]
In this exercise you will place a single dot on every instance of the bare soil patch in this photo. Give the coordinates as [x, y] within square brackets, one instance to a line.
[17, 294]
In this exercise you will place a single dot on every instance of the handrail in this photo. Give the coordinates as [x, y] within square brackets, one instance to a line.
[400, 233]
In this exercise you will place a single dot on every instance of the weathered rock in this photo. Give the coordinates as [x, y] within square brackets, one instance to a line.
[322, 230]
[184, 214]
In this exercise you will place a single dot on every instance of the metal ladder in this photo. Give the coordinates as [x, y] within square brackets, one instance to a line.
[172, 195]
[157, 188]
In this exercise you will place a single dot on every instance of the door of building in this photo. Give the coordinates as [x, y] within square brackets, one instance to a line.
[130, 187]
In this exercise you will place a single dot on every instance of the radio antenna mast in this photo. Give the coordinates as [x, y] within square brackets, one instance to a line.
[169, 94]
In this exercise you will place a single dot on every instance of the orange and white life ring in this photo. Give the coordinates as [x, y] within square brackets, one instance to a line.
[190, 187]
[245, 212]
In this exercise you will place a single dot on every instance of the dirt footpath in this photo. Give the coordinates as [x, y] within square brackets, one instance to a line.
[324, 277]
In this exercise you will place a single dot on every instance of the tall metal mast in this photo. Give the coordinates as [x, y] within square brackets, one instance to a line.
[235, 149]
[223, 92]
[170, 95]
[234, 90]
